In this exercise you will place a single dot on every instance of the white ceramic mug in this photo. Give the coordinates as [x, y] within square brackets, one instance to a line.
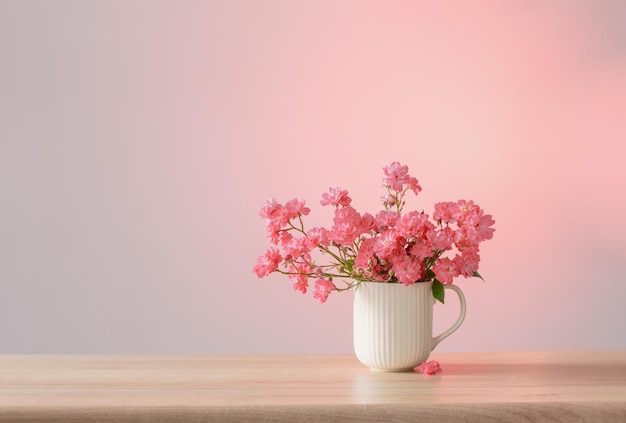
[393, 324]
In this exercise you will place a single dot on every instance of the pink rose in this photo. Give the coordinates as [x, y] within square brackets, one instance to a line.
[323, 287]
[467, 262]
[429, 368]
[336, 197]
[389, 245]
[316, 237]
[293, 209]
[368, 223]
[483, 229]
[396, 176]
[386, 219]
[295, 247]
[408, 270]
[267, 262]
[446, 212]
[271, 209]
[413, 224]
[421, 249]
[441, 239]
[445, 270]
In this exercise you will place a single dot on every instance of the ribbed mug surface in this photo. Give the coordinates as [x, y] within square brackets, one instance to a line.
[393, 324]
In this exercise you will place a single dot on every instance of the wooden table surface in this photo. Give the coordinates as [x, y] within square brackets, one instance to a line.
[474, 387]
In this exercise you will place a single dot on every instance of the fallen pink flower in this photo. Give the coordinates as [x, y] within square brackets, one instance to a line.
[429, 367]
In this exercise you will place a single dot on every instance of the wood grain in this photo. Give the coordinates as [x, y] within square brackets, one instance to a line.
[474, 387]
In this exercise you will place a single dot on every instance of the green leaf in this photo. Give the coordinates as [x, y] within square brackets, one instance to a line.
[349, 265]
[477, 275]
[438, 291]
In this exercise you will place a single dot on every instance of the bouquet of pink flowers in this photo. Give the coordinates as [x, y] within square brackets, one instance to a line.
[392, 246]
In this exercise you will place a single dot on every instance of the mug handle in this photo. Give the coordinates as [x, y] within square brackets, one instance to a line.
[455, 326]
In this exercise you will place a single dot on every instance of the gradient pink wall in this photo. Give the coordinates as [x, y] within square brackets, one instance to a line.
[138, 140]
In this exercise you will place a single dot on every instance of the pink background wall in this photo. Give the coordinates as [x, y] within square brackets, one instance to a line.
[139, 139]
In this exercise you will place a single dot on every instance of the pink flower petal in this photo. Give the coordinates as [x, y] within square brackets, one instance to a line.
[429, 367]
